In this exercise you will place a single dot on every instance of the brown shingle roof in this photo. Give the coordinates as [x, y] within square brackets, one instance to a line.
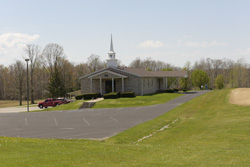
[144, 73]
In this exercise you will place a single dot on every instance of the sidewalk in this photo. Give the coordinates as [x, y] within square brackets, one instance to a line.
[17, 109]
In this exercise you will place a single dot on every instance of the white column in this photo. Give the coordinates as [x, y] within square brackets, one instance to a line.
[113, 89]
[90, 85]
[101, 86]
[166, 83]
[122, 84]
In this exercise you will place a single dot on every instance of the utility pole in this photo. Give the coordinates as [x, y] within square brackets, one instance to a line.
[27, 61]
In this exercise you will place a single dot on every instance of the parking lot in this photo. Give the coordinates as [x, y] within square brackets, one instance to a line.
[85, 123]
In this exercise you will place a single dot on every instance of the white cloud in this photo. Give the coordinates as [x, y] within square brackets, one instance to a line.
[205, 44]
[12, 44]
[151, 44]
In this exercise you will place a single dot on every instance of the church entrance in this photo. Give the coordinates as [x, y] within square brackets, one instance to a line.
[108, 86]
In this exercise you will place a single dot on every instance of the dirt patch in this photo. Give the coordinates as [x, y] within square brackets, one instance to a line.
[240, 96]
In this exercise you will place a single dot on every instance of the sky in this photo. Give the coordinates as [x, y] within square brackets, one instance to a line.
[171, 31]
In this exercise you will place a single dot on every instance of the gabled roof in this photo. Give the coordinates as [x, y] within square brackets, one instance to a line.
[110, 72]
[139, 72]
[144, 73]
[106, 69]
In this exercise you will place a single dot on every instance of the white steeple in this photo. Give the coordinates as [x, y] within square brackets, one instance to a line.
[112, 61]
[111, 44]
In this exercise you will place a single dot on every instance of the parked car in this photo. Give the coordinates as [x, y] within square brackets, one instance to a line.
[65, 100]
[51, 102]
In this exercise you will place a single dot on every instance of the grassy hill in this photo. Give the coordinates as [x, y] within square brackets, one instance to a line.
[208, 132]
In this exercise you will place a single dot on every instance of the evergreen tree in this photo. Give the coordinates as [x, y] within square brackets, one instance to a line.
[56, 86]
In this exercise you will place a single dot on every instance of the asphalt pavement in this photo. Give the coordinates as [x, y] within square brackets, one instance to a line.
[85, 123]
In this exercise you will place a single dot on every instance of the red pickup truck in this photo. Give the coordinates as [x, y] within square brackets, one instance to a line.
[50, 103]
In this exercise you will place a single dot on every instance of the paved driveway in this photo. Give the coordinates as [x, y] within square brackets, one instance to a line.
[83, 124]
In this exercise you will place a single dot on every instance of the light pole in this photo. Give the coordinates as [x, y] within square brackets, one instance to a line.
[27, 61]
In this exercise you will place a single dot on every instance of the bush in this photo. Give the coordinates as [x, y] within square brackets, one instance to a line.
[169, 91]
[127, 94]
[88, 96]
[176, 90]
[184, 90]
[112, 95]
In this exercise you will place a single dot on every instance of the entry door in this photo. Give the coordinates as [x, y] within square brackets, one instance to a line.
[108, 86]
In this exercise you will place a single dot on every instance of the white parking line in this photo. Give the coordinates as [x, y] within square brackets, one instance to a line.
[55, 122]
[113, 119]
[86, 121]
[26, 122]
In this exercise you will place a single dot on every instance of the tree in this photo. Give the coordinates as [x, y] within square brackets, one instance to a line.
[18, 70]
[80, 70]
[199, 78]
[56, 87]
[53, 55]
[33, 51]
[95, 63]
[137, 63]
[68, 76]
[219, 82]
[185, 81]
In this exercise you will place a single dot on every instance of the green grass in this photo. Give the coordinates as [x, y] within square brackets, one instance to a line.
[209, 132]
[145, 100]
[70, 106]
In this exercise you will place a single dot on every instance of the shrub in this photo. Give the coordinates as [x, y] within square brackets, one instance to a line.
[112, 95]
[219, 82]
[88, 96]
[127, 94]
[176, 90]
[169, 91]
[184, 90]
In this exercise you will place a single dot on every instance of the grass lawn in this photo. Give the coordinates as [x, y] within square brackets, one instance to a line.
[145, 100]
[209, 132]
[8, 103]
[70, 106]
[15, 103]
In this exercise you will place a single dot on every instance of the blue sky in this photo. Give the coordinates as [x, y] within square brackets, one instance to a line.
[171, 31]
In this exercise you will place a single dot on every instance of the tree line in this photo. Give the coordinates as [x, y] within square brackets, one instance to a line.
[51, 74]
[215, 73]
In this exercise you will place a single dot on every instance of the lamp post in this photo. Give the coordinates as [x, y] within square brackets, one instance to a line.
[27, 61]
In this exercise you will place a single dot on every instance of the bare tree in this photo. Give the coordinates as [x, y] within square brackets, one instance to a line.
[18, 70]
[80, 70]
[53, 54]
[33, 52]
[137, 63]
[54, 57]
[95, 63]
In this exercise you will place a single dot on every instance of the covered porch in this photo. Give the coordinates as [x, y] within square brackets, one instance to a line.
[106, 82]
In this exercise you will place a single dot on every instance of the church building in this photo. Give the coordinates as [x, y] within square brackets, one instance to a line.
[123, 79]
